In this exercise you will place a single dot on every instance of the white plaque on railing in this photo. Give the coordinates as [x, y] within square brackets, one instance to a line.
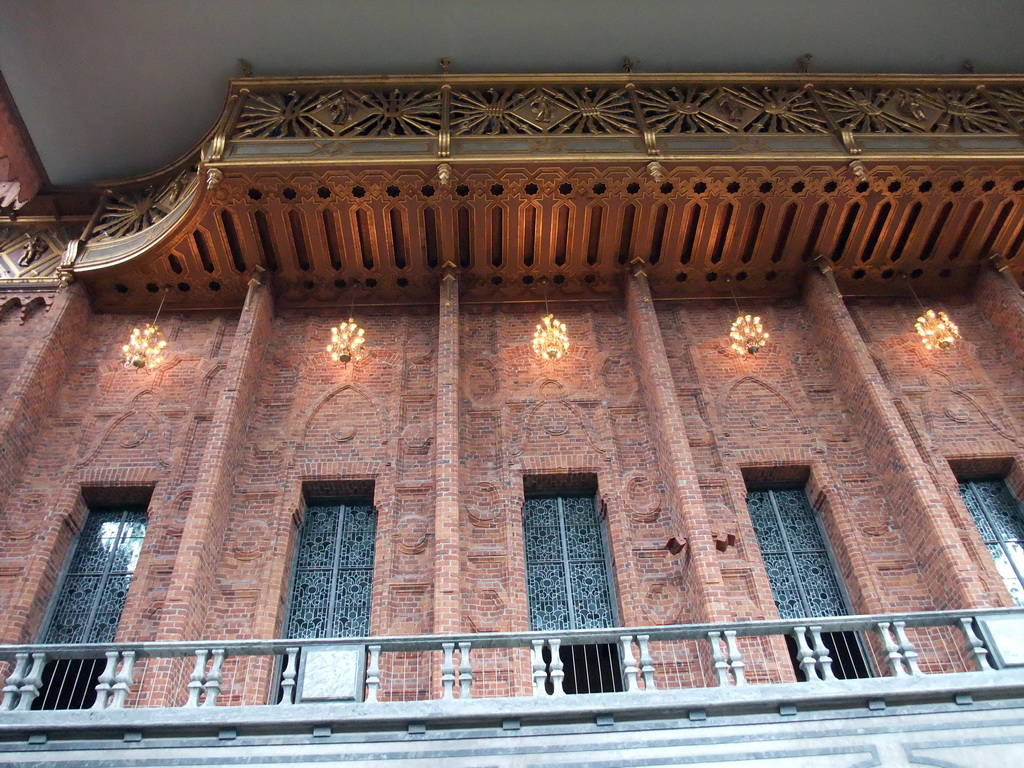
[331, 673]
[1004, 636]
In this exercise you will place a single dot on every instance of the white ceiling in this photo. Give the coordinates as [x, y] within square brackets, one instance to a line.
[112, 88]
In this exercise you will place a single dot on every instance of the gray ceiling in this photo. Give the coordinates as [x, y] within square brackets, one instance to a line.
[112, 88]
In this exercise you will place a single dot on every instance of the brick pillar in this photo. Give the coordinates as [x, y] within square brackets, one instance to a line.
[33, 390]
[947, 565]
[191, 587]
[447, 555]
[689, 517]
[1001, 302]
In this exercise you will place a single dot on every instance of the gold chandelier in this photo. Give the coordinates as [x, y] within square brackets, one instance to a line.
[937, 330]
[747, 332]
[347, 342]
[748, 335]
[145, 347]
[550, 339]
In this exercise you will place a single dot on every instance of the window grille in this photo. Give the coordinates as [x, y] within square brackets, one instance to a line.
[997, 514]
[801, 573]
[568, 586]
[89, 603]
[94, 588]
[333, 578]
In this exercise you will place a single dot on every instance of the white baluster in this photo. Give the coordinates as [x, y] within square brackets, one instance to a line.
[373, 674]
[821, 654]
[213, 679]
[106, 680]
[447, 671]
[557, 675]
[892, 650]
[978, 649]
[721, 666]
[288, 676]
[465, 672]
[538, 666]
[646, 662]
[804, 654]
[735, 657]
[195, 682]
[906, 648]
[14, 680]
[123, 680]
[30, 685]
[629, 662]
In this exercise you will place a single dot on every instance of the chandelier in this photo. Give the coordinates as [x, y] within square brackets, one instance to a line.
[934, 327]
[550, 340]
[145, 347]
[748, 335]
[347, 342]
[937, 330]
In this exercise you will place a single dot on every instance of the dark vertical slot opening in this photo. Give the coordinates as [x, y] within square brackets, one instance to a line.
[227, 221]
[591, 668]
[529, 236]
[693, 221]
[331, 236]
[299, 239]
[849, 661]
[626, 238]
[266, 243]
[972, 221]
[594, 235]
[812, 240]
[497, 236]
[363, 235]
[199, 238]
[397, 238]
[1016, 245]
[997, 228]
[432, 243]
[753, 230]
[724, 222]
[561, 236]
[849, 221]
[658, 238]
[787, 226]
[175, 264]
[906, 232]
[881, 216]
[936, 231]
[69, 684]
[465, 237]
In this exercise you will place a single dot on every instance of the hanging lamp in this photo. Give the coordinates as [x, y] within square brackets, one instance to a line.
[747, 332]
[934, 326]
[550, 339]
[347, 340]
[145, 347]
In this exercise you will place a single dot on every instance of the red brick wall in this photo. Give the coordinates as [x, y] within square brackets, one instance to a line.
[248, 412]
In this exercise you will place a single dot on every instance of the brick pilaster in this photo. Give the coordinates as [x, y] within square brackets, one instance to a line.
[447, 555]
[191, 587]
[1000, 300]
[33, 390]
[689, 517]
[927, 523]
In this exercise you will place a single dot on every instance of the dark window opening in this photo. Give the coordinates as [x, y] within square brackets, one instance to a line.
[591, 668]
